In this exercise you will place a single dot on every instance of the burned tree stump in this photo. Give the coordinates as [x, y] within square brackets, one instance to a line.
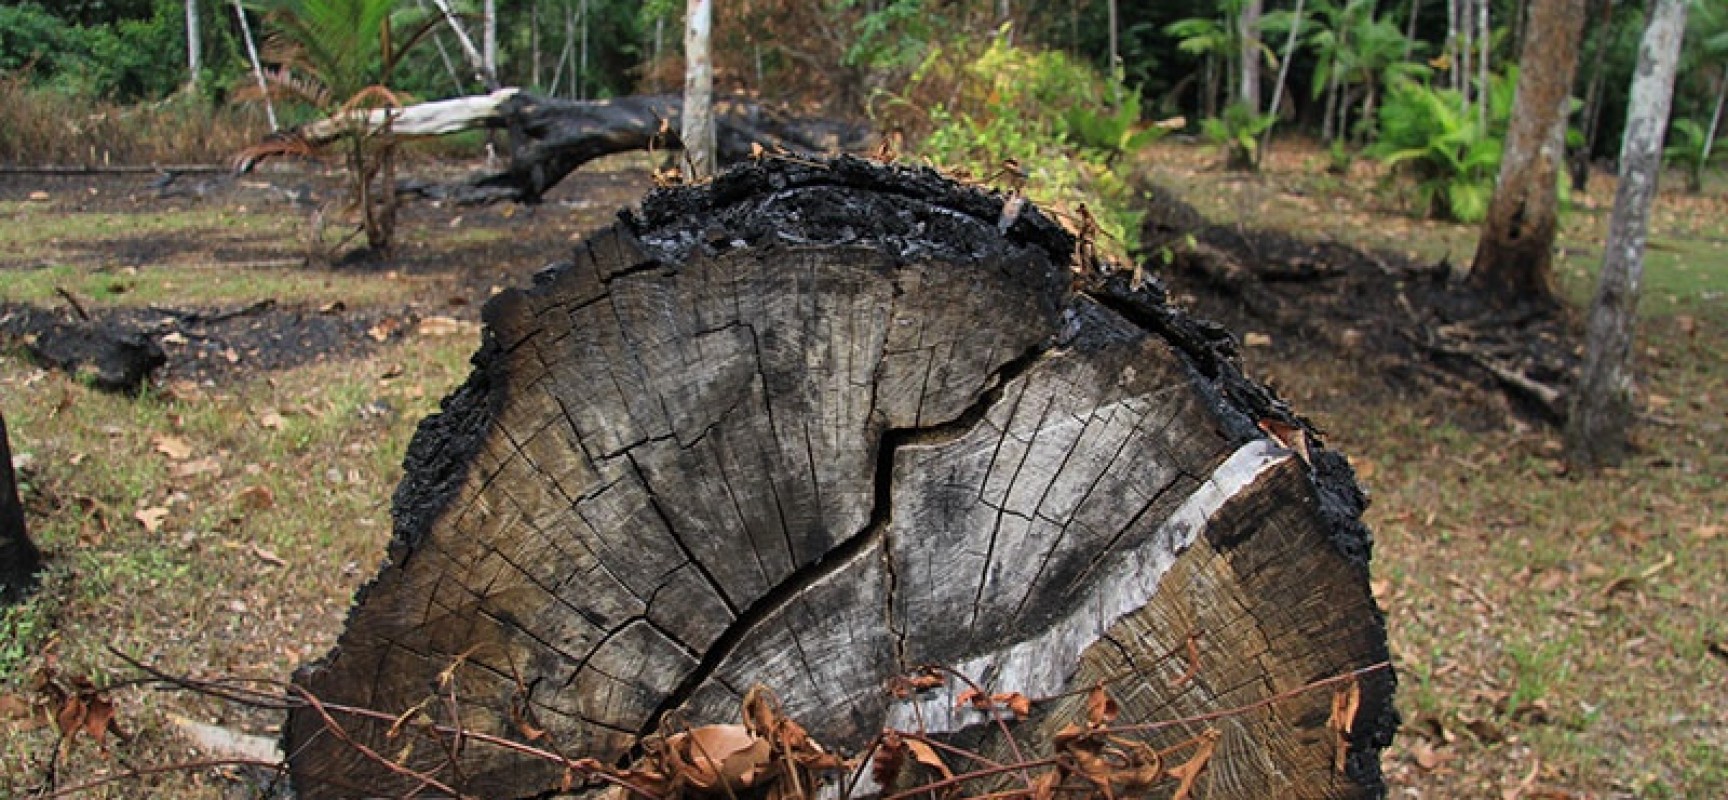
[19, 559]
[813, 426]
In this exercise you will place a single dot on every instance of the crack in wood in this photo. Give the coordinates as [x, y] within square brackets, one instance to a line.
[838, 557]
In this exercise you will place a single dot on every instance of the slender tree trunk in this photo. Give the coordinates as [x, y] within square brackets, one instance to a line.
[194, 47]
[475, 59]
[1602, 17]
[1597, 431]
[534, 44]
[1115, 55]
[257, 66]
[1283, 74]
[582, 62]
[1452, 39]
[444, 54]
[489, 38]
[1329, 117]
[1484, 35]
[1410, 28]
[698, 132]
[1716, 115]
[1248, 30]
[1514, 257]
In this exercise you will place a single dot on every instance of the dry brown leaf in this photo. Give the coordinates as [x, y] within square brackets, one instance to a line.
[1256, 340]
[1016, 702]
[439, 326]
[271, 420]
[1044, 786]
[1186, 772]
[1288, 436]
[151, 518]
[1101, 708]
[927, 755]
[890, 758]
[1426, 756]
[975, 698]
[268, 557]
[717, 757]
[1345, 703]
[207, 465]
[257, 498]
[171, 446]
[384, 329]
[1705, 533]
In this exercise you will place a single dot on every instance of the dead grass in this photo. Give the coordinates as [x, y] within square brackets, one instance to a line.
[1562, 628]
[41, 127]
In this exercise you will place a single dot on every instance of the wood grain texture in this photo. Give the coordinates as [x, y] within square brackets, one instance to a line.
[815, 425]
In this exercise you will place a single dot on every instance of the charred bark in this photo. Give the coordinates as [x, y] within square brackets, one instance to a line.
[19, 559]
[550, 138]
[813, 425]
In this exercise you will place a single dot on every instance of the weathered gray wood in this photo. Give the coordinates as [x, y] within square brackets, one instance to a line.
[813, 426]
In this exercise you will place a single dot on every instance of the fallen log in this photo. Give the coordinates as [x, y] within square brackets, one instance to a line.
[815, 427]
[550, 138]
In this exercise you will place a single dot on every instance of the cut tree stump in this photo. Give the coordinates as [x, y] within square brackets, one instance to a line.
[19, 559]
[813, 426]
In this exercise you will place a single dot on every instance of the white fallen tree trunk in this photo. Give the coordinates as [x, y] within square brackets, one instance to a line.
[550, 138]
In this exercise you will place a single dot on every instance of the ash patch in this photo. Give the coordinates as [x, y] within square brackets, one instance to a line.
[120, 349]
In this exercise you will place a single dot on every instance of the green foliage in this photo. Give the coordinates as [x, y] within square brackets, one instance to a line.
[131, 60]
[1433, 137]
[1689, 149]
[1043, 110]
[1237, 131]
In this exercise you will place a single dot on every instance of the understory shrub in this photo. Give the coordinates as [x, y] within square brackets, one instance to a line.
[1433, 138]
[1003, 111]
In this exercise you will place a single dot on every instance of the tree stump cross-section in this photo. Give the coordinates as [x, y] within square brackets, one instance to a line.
[813, 426]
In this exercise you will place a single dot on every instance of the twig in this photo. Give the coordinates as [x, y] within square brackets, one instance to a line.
[72, 300]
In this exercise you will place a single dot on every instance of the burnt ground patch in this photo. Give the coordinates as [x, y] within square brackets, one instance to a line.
[1411, 324]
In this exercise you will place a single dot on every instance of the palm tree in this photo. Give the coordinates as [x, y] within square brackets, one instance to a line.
[337, 56]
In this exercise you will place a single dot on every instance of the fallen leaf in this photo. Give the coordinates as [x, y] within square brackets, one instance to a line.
[438, 326]
[1381, 588]
[1426, 756]
[927, 755]
[207, 465]
[1256, 340]
[1101, 708]
[151, 518]
[1705, 533]
[271, 420]
[38, 196]
[174, 337]
[890, 758]
[257, 498]
[384, 329]
[268, 557]
[1345, 703]
[172, 446]
[1288, 436]
[1485, 731]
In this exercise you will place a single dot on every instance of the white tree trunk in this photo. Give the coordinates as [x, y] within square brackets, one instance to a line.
[698, 133]
[489, 38]
[194, 48]
[1283, 74]
[1115, 55]
[1716, 115]
[1248, 27]
[1602, 411]
[475, 59]
[257, 66]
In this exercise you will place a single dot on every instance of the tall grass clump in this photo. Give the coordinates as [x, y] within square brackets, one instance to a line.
[44, 125]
